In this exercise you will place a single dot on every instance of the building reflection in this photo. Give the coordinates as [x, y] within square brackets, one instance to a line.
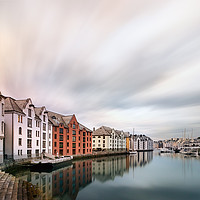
[64, 183]
[104, 169]
[141, 159]
[67, 182]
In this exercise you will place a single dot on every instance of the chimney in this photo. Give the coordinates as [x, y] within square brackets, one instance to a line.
[93, 129]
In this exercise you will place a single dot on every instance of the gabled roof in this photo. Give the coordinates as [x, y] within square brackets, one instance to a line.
[39, 110]
[56, 118]
[103, 130]
[22, 103]
[67, 119]
[12, 106]
[81, 126]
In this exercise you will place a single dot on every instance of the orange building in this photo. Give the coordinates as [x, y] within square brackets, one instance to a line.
[69, 136]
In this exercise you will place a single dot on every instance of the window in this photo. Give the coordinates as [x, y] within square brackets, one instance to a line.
[74, 132]
[99, 141]
[67, 150]
[61, 130]
[19, 152]
[83, 139]
[73, 145]
[44, 127]
[103, 136]
[44, 118]
[29, 112]
[67, 144]
[29, 143]
[49, 143]
[74, 126]
[74, 139]
[49, 127]
[37, 152]
[29, 133]
[55, 144]
[83, 133]
[29, 153]
[2, 127]
[49, 136]
[61, 137]
[37, 142]
[2, 109]
[20, 130]
[61, 145]
[55, 128]
[67, 137]
[20, 118]
[103, 145]
[44, 144]
[37, 124]
[74, 151]
[79, 138]
[55, 136]
[37, 133]
[20, 142]
[44, 136]
[79, 144]
[83, 145]
[29, 123]
[61, 152]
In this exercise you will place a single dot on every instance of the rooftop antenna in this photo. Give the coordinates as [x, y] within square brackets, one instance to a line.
[184, 133]
[192, 134]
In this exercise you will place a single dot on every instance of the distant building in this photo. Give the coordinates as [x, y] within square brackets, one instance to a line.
[2, 131]
[143, 143]
[106, 138]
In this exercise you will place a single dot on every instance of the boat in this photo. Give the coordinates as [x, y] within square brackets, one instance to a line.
[132, 152]
[47, 165]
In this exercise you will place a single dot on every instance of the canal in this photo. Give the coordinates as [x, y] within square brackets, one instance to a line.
[144, 176]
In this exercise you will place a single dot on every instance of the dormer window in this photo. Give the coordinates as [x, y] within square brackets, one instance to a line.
[29, 112]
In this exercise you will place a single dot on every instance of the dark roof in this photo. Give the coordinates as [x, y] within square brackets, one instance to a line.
[81, 126]
[56, 118]
[22, 103]
[12, 106]
[103, 130]
[67, 119]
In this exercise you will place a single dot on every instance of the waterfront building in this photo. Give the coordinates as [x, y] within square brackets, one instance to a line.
[2, 131]
[26, 132]
[143, 143]
[69, 136]
[45, 125]
[108, 139]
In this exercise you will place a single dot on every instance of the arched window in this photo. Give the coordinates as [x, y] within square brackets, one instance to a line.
[20, 131]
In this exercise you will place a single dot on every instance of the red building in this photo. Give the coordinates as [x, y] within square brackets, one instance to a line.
[69, 136]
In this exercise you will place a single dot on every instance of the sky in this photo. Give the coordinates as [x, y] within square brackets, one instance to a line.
[120, 63]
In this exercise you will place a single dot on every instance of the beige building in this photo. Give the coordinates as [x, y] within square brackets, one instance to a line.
[106, 138]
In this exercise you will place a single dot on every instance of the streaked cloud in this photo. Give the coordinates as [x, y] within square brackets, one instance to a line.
[119, 63]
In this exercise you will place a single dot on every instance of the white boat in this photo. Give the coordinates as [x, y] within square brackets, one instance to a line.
[132, 152]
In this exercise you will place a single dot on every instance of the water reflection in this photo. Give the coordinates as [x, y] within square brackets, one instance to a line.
[67, 182]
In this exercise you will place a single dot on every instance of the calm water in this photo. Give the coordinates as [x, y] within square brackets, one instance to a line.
[139, 177]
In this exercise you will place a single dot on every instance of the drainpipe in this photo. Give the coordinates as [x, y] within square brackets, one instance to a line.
[12, 136]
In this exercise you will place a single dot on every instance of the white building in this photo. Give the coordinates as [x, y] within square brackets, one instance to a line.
[26, 133]
[143, 143]
[2, 131]
[108, 138]
[45, 129]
